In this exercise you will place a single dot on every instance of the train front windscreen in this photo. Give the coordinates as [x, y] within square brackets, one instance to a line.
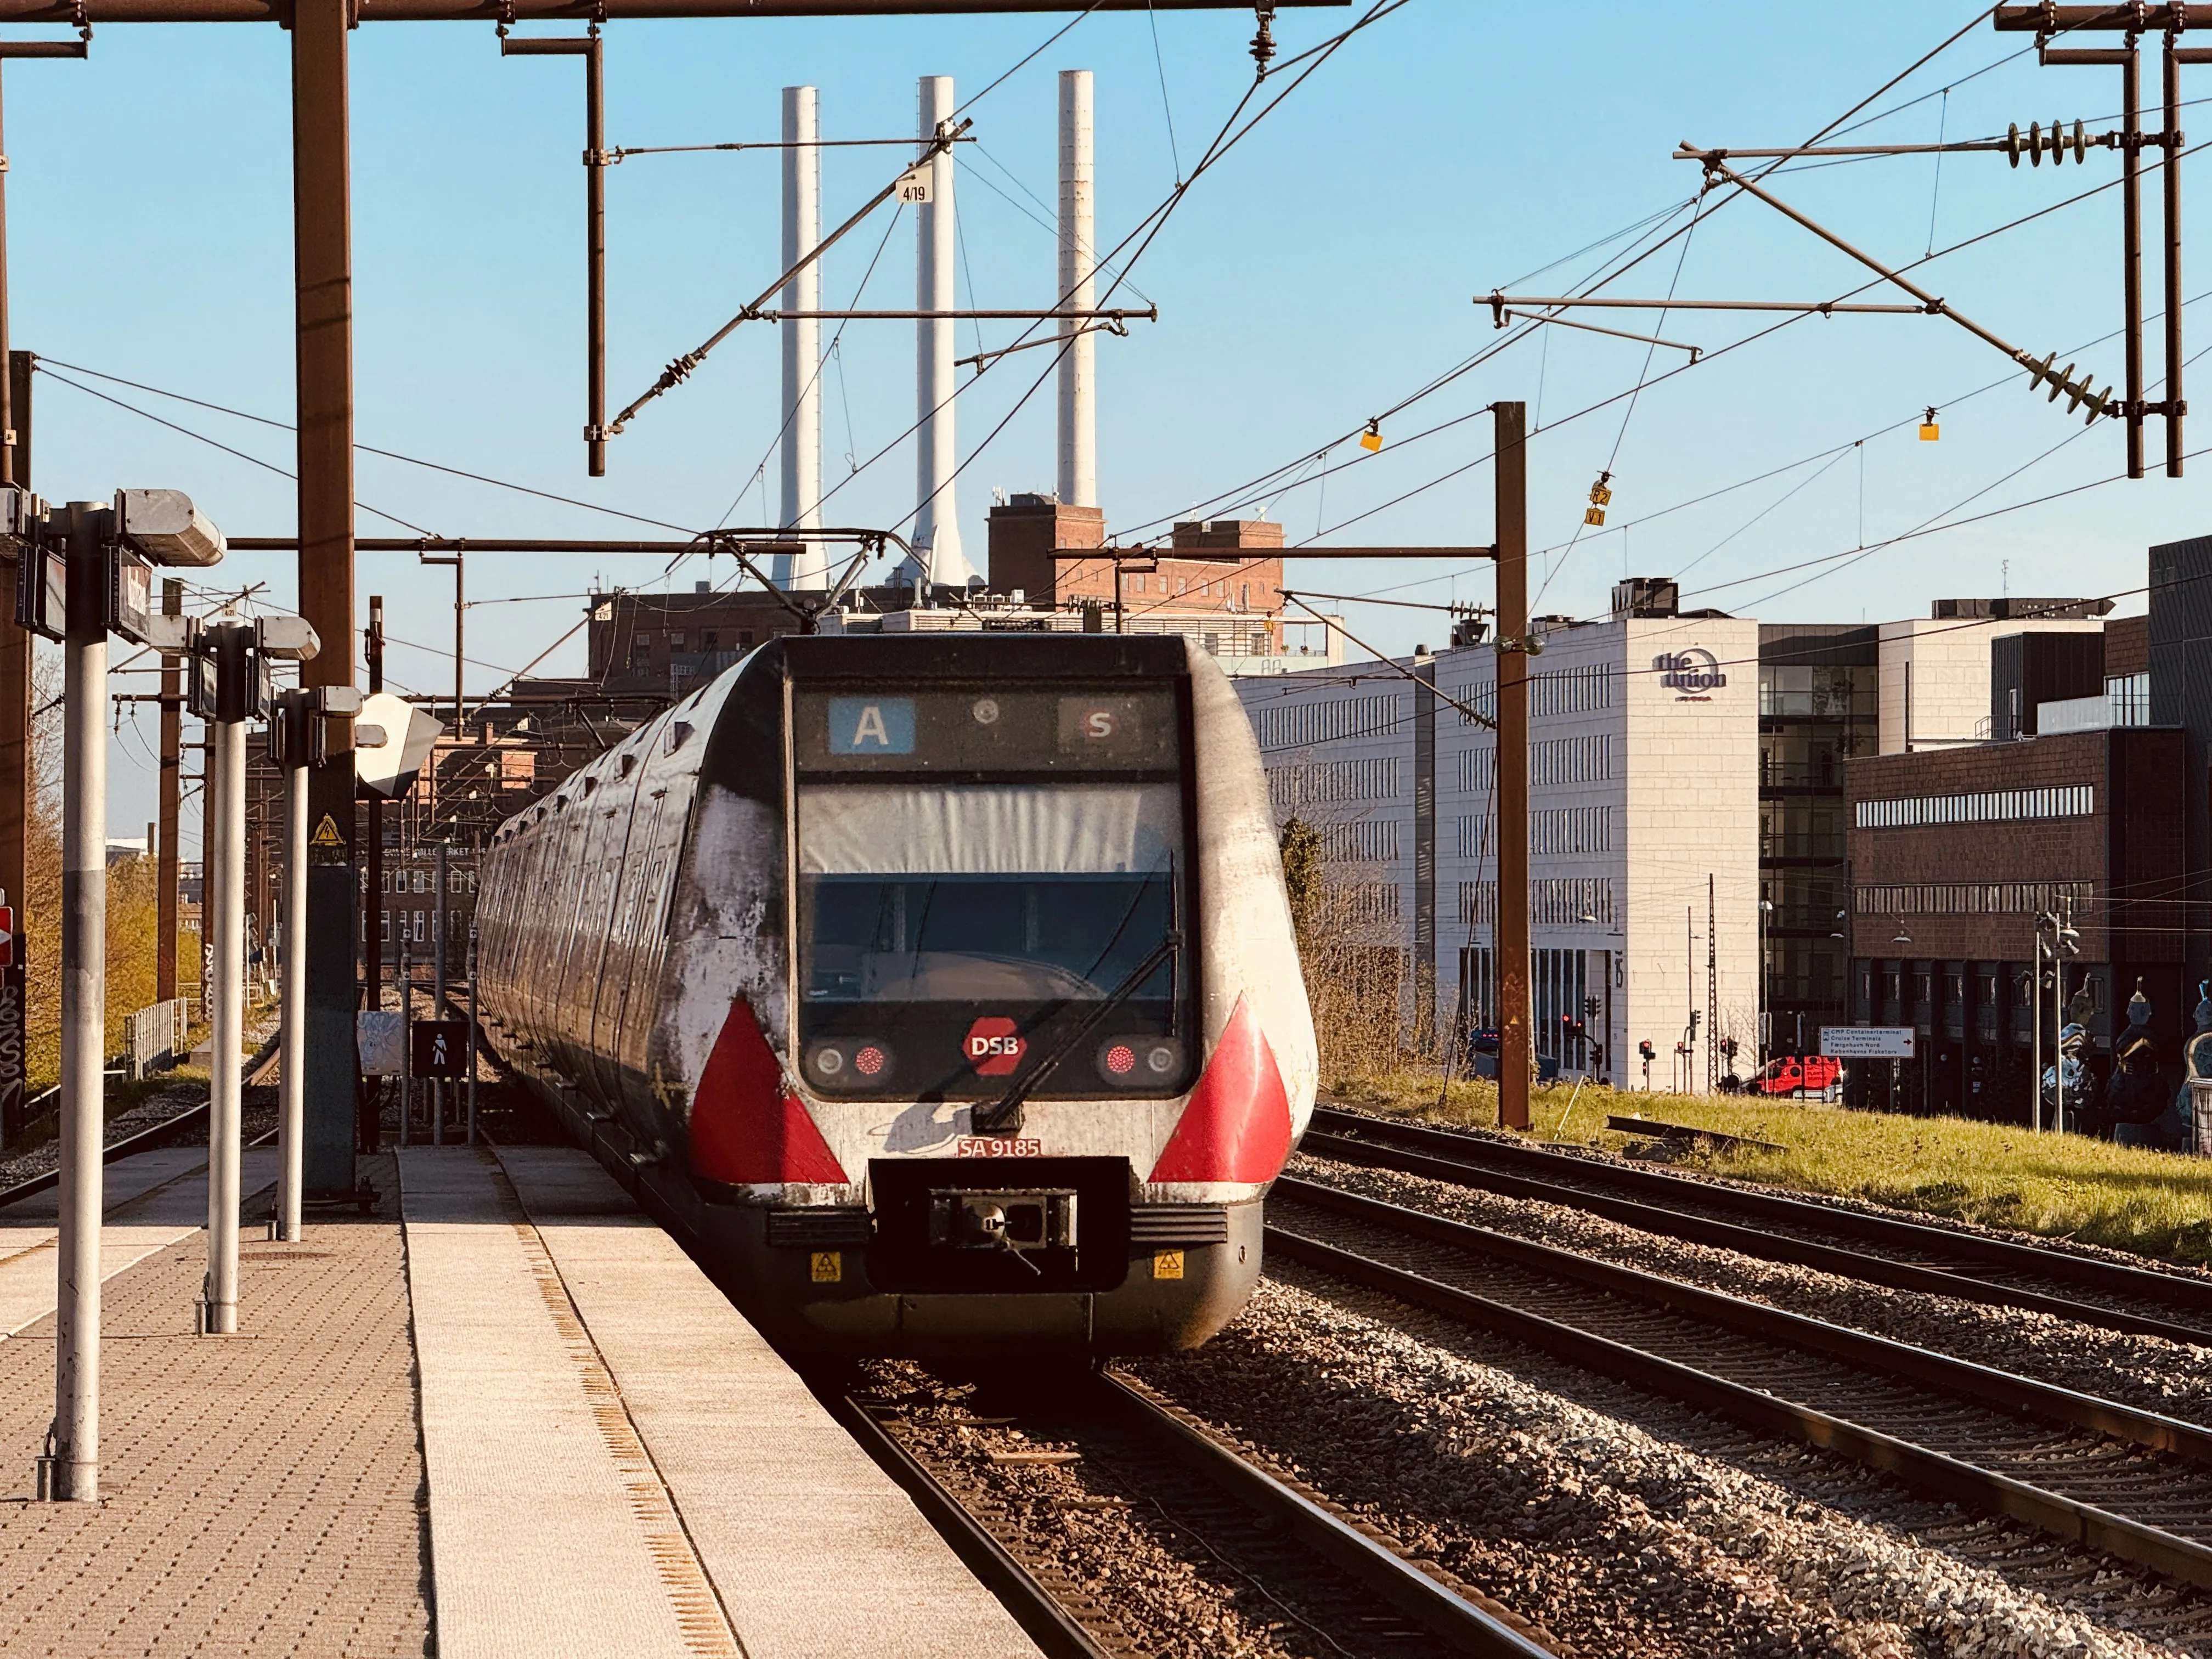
[992, 878]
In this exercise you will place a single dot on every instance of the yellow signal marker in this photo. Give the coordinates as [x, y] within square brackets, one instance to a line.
[1929, 432]
[1371, 439]
[1167, 1264]
[829, 1267]
[1595, 515]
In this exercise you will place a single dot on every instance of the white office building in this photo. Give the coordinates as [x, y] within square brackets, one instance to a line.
[1643, 868]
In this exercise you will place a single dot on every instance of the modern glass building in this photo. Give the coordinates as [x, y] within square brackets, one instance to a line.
[1817, 709]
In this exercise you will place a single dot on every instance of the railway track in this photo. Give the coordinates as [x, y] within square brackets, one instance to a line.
[2129, 1483]
[1111, 1447]
[261, 1068]
[1853, 1243]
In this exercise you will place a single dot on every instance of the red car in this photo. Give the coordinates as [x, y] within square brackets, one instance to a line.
[1785, 1076]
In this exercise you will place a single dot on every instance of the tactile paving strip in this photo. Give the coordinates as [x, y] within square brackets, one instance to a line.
[699, 1612]
[264, 1493]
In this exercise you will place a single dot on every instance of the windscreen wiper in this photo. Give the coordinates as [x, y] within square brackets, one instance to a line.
[1004, 1116]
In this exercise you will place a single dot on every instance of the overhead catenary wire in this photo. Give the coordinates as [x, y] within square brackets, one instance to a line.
[40, 363]
[1606, 278]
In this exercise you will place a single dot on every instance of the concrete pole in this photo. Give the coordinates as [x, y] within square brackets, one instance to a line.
[473, 1034]
[440, 944]
[406, 1042]
[1515, 1050]
[172, 781]
[291, 1114]
[1078, 291]
[75, 1476]
[226, 916]
[802, 340]
[937, 525]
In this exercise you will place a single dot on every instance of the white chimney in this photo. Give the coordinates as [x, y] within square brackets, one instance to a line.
[802, 341]
[937, 527]
[1078, 291]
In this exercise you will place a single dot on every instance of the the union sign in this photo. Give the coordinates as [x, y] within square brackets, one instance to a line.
[1692, 671]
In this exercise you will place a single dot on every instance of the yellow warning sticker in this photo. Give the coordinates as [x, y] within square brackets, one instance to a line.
[326, 834]
[1167, 1264]
[829, 1267]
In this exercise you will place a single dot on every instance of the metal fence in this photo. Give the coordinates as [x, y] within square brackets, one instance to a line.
[153, 1038]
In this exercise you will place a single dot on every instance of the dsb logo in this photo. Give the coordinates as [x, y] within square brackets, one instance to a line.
[993, 1046]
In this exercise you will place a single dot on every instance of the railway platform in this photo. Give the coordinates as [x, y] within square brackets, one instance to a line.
[501, 1414]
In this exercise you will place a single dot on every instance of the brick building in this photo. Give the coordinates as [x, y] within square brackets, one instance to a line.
[1953, 852]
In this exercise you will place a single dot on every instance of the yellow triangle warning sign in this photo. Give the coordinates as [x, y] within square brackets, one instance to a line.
[326, 834]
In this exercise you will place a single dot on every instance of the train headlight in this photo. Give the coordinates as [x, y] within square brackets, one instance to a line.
[850, 1063]
[1141, 1062]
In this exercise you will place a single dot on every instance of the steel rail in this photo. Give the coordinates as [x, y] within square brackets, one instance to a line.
[146, 1138]
[2181, 1295]
[1663, 1218]
[1954, 1478]
[1033, 1606]
[1466, 1626]
[1458, 1621]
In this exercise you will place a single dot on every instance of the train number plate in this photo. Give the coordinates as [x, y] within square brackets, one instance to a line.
[997, 1146]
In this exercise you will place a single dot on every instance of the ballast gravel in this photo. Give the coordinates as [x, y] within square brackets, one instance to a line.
[2148, 1372]
[1630, 1527]
[155, 1109]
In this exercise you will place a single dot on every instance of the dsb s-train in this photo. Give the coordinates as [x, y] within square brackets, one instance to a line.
[939, 990]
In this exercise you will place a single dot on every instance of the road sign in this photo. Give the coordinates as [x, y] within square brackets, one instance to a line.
[440, 1048]
[1867, 1041]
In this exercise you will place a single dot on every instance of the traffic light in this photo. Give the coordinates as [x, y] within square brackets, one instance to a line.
[1645, 1049]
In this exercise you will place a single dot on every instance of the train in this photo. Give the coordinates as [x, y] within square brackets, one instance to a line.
[939, 989]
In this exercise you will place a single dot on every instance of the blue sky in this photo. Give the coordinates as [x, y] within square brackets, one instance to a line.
[1321, 272]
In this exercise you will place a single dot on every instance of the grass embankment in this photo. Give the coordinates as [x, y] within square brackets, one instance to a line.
[2155, 1204]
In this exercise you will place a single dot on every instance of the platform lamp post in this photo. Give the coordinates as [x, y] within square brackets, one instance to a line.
[297, 741]
[230, 686]
[85, 571]
[2055, 939]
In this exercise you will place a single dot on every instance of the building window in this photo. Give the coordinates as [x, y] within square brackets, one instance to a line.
[1562, 759]
[1294, 725]
[1973, 898]
[1991, 806]
[640, 651]
[675, 639]
[1563, 831]
[1372, 779]
[709, 639]
[1571, 901]
[384, 927]
[745, 639]
[2129, 698]
[1364, 840]
[1367, 901]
